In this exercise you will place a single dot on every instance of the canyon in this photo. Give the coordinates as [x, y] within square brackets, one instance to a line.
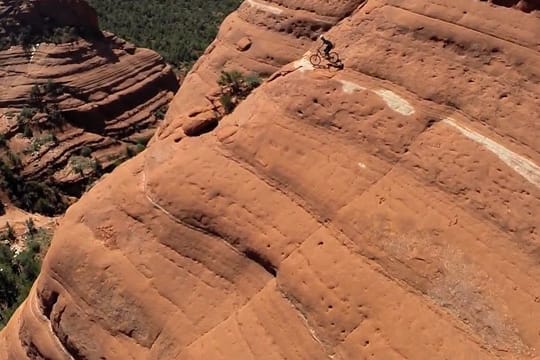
[388, 210]
[73, 98]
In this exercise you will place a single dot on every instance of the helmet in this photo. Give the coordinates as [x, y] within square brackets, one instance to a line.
[321, 36]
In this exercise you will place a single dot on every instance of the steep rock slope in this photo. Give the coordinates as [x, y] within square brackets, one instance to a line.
[259, 37]
[96, 92]
[388, 211]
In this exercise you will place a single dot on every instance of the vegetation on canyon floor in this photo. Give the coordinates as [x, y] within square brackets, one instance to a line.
[13, 32]
[19, 269]
[180, 30]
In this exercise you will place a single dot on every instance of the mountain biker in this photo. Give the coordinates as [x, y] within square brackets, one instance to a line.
[328, 46]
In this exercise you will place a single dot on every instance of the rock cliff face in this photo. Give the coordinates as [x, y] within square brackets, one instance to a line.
[96, 92]
[388, 210]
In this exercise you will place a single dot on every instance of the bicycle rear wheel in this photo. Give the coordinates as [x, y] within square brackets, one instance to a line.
[315, 59]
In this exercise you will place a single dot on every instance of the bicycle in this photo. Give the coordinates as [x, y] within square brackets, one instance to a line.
[332, 58]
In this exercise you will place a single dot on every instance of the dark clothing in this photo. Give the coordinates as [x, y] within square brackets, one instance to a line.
[328, 46]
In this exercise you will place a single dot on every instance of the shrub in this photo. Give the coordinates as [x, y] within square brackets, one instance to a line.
[53, 89]
[35, 94]
[42, 206]
[14, 160]
[160, 112]
[226, 101]
[143, 140]
[139, 148]
[232, 80]
[97, 167]
[30, 226]
[27, 131]
[85, 151]
[31, 196]
[80, 164]
[26, 114]
[55, 117]
[38, 142]
[41, 198]
[64, 34]
[235, 87]
[49, 138]
[53, 139]
[117, 163]
[10, 233]
[130, 152]
[253, 81]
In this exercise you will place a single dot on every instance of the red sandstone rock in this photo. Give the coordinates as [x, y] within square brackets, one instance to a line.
[387, 211]
[243, 44]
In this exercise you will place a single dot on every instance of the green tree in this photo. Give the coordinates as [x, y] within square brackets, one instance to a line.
[226, 101]
[27, 131]
[19, 271]
[30, 226]
[85, 151]
[10, 233]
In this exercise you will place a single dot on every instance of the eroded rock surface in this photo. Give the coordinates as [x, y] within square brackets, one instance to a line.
[389, 210]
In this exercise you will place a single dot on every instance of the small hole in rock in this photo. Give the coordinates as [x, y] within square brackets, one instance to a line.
[430, 123]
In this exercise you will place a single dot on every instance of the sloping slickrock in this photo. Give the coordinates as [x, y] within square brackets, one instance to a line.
[277, 33]
[389, 210]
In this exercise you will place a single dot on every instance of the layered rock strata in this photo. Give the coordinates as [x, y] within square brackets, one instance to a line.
[108, 92]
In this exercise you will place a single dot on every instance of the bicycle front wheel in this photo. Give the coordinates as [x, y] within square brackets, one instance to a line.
[315, 59]
[333, 57]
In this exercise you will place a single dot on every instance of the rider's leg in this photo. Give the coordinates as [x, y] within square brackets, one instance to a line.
[327, 51]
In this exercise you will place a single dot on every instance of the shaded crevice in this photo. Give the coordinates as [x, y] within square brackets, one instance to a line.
[523, 5]
[48, 303]
[430, 122]
[202, 127]
[33, 352]
[64, 339]
[262, 260]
